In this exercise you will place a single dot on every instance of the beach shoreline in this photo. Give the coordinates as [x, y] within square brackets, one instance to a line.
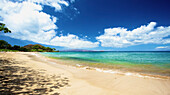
[93, 81]
[101, 67]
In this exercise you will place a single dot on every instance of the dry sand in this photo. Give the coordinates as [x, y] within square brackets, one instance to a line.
[35, 74]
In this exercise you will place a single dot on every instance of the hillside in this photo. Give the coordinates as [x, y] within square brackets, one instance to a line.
[5, 46]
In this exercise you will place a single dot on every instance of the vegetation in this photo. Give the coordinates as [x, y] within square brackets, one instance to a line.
[39, 48]
[8, 50]
[5, 46]
[4, 29]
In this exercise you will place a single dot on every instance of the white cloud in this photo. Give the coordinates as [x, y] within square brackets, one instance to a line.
[163, 47]
[121, 37]
[72, 1]
[72, 41]
[52, 3]
[27, 21]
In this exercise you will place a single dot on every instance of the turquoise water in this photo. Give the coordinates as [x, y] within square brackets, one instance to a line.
[158, 60]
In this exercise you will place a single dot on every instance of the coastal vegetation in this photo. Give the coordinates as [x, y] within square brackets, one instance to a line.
[5, 46]
[4, 29]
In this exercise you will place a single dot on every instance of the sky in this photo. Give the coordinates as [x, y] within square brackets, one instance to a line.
[111, 25]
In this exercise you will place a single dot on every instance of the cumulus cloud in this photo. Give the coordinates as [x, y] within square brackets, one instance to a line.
[146, 34]
[73, 41]
[27, 21]
[163, 47]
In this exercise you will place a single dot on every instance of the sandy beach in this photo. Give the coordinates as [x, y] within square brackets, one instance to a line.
[32, 73]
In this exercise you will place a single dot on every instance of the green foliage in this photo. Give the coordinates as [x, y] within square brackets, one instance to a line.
[48, 49]
[8, 50]
[4, 46]
[23, 49]
[33, 50]
[53, 49]
[15, 47]
[40, 50]
[36, 47]
[3, 28]
[57, 51]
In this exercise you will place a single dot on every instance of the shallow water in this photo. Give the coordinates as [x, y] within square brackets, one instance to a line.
[158, 62]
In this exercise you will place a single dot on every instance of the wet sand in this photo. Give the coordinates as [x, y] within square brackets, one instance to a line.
[31, 73]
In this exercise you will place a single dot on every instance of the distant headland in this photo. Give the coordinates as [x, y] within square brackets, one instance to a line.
[5, 46]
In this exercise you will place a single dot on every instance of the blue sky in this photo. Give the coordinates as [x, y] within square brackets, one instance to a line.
[118, 25]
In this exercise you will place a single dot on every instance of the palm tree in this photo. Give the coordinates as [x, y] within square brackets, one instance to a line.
[3, 28]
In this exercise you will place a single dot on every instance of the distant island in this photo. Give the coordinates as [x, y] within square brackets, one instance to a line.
[81, 50]
[5, 46]
[76, 50]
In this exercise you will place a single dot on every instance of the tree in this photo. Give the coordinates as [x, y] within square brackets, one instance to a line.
[3, 28]
[4, 45]
[36, 47]
[48, 49]
[15, 47]
[23, 49]
[53, 49]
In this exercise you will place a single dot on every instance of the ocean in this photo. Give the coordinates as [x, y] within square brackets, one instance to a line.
[145, 62]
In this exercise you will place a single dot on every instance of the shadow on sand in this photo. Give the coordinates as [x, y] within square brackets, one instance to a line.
[15, 79]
